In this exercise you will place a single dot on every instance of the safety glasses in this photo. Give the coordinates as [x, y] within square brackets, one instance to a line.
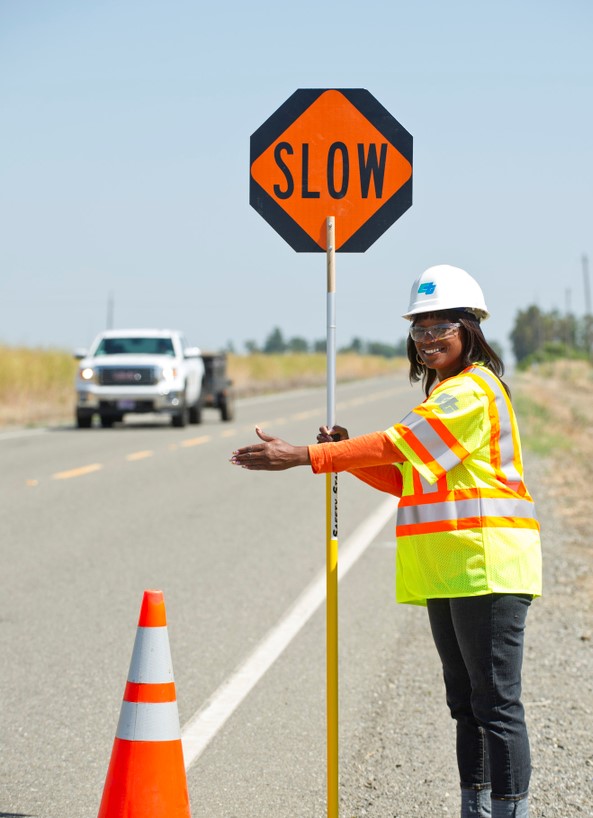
[436, 333]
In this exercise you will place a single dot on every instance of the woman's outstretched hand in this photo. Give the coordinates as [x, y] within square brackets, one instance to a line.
[273, 454]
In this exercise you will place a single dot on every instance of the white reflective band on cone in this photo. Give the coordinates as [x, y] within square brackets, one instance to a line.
[144, 721]
[151, 658]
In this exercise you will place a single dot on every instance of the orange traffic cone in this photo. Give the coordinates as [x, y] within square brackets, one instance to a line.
[146, 775]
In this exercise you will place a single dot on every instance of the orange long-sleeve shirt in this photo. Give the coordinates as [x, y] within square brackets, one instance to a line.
[370, 458]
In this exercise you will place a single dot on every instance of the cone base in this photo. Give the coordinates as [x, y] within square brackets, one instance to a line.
[145, 779]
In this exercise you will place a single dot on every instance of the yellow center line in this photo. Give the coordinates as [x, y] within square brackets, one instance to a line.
[66, 475]
[271, 424]
[139, 455]
[305, 415]
[228, 433]
[32, 482]
[195, 441]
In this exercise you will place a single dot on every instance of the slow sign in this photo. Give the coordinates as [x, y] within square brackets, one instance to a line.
[333, 152]
[331, 170]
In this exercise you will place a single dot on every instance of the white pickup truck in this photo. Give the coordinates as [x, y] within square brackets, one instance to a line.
[137, 371]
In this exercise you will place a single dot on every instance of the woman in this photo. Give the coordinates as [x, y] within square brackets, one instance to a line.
[468, 543]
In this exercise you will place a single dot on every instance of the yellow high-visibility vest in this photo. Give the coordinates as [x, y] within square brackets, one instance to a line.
[466, 524]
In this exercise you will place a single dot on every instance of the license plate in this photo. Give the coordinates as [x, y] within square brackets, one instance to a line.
[126, 405]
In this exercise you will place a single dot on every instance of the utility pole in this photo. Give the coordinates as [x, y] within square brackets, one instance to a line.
[567, 332]
[110, 310]
[588, 316]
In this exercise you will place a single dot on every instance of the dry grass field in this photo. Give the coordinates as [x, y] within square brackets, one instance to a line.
[554, 401]
[37, 385]
[256, 374]
[555, 407]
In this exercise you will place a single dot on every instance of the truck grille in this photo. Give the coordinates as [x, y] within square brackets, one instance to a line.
[127, 376]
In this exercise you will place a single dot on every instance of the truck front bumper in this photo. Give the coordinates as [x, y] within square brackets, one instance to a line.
[119, 402]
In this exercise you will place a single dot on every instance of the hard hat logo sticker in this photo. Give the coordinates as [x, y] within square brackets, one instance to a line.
[427, 288]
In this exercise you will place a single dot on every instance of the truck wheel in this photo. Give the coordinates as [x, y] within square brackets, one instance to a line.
[227, 407]
[107, 421]
[180, 418]
[195, 412]
[84, 420]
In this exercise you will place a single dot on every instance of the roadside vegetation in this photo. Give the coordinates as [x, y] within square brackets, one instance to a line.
[539, 337]
[554, 402]
[552, 386]
[37, 385]
[258, 373]
[277, 344]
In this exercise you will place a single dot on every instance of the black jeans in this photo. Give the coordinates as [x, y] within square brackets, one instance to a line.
[480, 643]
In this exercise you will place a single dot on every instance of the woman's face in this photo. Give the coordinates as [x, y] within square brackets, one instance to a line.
[443, 350]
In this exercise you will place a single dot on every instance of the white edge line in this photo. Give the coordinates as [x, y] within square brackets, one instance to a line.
[203, 726]
[13, 435]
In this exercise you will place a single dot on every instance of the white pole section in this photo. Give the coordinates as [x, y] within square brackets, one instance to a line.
[331, 490]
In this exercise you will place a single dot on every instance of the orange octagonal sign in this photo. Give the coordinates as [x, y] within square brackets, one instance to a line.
[335, 152]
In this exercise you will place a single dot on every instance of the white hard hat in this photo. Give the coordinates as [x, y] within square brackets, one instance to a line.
[444, 287]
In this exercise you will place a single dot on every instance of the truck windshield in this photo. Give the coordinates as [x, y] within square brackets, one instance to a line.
[135, 346]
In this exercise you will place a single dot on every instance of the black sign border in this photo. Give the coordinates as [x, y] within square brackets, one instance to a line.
[275, 126]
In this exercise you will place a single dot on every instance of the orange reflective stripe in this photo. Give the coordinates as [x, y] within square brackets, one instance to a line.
[423, 454]
[465, 524]
[505, 451]
[495, 458]
[422, 487]
[449, 438]
[150, 693]
[439, 444]
[445, 494]
[418, 488]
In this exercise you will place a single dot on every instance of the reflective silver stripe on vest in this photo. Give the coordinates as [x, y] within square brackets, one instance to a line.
[151, 658]
[461, 509]
[507, 448]
[431, 441]
[144, 721]
[428, 488]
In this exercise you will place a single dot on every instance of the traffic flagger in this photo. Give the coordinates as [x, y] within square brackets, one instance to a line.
[146, 775]
[468, 544]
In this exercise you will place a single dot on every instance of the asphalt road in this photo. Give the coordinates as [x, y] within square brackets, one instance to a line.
[89, 519]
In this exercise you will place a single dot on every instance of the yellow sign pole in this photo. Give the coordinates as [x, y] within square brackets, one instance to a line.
[331, 486]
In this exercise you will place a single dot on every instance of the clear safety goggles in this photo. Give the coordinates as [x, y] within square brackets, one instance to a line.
[436, 333]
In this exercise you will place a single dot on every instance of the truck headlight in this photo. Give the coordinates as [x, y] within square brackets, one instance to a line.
[87, 374]
[169, 373]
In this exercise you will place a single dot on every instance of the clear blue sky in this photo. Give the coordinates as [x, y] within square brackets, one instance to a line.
[124, 161]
